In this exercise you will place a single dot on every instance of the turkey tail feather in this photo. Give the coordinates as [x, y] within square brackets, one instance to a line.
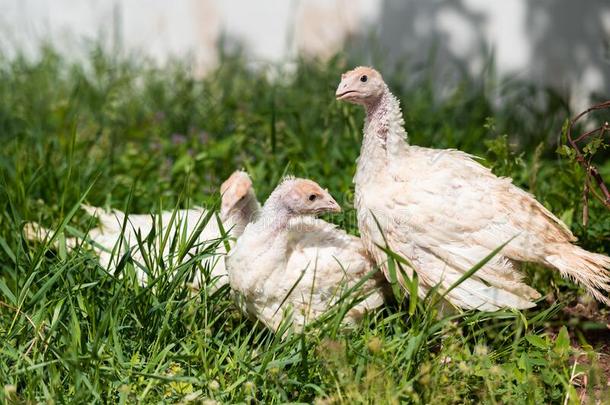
[591, 270]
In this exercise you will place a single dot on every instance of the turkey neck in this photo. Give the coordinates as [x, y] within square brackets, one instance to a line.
[384, 135]
[246, 214]
[268, 240]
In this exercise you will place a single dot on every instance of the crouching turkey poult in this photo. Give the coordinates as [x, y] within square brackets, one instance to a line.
[288, 264]
[445, 212]
[238, 207]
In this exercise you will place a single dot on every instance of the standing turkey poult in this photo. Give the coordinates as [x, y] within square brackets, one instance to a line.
[445, 212]
[238, 207]
[289, 261]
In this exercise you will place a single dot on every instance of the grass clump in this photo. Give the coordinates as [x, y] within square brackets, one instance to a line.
[129, 135]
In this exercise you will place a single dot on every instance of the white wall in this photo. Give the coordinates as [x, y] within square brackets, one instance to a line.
[564, 43]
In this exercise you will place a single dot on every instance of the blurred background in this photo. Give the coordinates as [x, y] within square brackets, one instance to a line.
[564, 44]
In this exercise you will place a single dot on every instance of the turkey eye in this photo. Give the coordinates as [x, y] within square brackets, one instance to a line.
[363, 78]
[312, 197]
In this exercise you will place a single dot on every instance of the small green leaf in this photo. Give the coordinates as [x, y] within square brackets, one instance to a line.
[567, 216]
[522, 362]
[562, 342]
[537, 341]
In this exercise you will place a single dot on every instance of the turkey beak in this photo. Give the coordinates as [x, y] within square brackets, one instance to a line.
[333, 206]
[343, 92]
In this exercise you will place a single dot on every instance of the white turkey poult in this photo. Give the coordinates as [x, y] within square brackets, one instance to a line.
[238, 207]
[445, 212]
[288, 263]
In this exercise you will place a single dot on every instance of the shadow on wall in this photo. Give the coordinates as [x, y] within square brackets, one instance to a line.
[565, 43]
[571, 43]
[412, 28]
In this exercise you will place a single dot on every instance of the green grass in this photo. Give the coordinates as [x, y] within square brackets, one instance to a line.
[122, 133]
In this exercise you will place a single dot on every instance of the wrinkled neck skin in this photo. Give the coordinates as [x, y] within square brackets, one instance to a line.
[384, 132]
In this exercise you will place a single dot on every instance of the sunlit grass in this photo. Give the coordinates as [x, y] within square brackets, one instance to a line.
[131, 136]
